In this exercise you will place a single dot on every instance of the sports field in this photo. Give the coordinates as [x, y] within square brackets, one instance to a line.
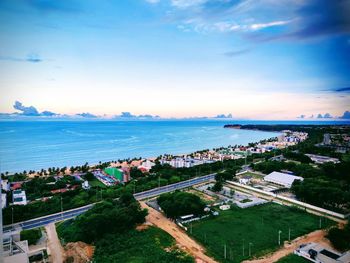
[253, 231]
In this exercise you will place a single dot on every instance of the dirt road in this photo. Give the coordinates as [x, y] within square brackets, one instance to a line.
[54, 245]
[316, 236]
[186, 243]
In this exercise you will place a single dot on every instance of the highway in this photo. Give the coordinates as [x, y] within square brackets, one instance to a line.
[42, 221]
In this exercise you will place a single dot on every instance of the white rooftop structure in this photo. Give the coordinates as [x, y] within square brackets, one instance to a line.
[19, 197]
[322, 159]
[283, 179]
[315, 252]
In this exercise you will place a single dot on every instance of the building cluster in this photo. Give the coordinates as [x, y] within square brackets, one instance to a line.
[184, 162]
[287, 138]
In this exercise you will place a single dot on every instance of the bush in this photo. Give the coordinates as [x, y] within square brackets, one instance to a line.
[340, 237]
[32, 235]
[105, 217]
[180, 203]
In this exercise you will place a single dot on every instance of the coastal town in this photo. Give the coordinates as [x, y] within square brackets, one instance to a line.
[239, 179]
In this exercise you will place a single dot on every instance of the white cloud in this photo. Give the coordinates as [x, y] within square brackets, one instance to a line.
[269, 24]
[153, 1]
[187, 3]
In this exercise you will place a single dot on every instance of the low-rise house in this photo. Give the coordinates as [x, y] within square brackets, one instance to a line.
[19, 197]
[245, 179]
[146, 165]
[85, 185]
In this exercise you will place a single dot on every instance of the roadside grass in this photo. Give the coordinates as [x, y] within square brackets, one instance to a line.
[292, 258]
[257, 226]
[145, 246]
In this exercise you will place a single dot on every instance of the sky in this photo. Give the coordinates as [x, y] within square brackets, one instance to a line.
[254, 59]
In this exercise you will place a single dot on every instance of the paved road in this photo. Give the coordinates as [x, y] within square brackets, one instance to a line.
[45, 220]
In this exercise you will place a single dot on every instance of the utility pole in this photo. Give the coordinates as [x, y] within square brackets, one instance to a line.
[12, 215]
[289, 234]
[279, 237]
[243, 247]
[320, 222]
[225, 251]
[250, 244]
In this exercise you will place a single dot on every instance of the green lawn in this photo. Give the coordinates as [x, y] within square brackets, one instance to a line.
[96, 183]
[253, 175]
[291, 258]
[258, 225]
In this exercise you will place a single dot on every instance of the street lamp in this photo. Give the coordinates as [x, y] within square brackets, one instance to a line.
[12, 215]
[279, 237]
[61, 208]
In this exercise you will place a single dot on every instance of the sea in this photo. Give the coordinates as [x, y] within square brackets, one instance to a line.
[33, 145]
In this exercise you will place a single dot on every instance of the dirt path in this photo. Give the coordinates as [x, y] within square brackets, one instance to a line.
[189, 245]
[54, 245]
[316, 236]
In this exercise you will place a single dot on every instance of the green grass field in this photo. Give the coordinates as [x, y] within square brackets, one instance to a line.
[291, 258]
[257, 226]
[253, 175]
[96, 183]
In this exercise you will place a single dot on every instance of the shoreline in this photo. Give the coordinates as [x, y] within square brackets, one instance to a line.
[94, 164]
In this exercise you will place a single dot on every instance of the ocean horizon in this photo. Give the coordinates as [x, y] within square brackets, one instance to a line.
[35, 145]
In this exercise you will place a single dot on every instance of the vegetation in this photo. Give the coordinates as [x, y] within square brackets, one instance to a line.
[110, 226]
[327, 185]
[180, 203]
[105, 217]
[292, 258]
[146, 246]
[328, 178]
[32, 235]
[258, 225]
[340, 237]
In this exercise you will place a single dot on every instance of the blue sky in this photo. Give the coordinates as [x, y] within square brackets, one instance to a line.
[257, 59]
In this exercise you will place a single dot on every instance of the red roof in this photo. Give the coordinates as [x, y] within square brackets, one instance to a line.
[16, 186]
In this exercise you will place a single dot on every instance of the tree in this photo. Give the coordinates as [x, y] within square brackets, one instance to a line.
[340, 237]
[89, 176]
[32, 235]
[217, 186]
[180, 203]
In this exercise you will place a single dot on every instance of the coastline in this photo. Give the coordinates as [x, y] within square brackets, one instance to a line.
[114, 160]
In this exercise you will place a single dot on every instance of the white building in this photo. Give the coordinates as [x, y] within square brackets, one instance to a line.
[282, 179]
[85, 185]
[3, 200]
[147, 165]
[19, 197]
[5, 185]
